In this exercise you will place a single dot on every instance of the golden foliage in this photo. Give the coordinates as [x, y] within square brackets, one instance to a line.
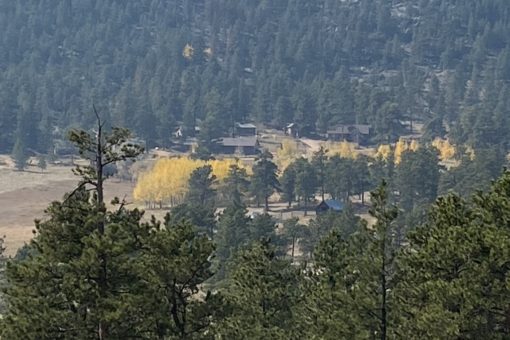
[188, 51]
[414, 145]
[384, 151]
[168, 179]
[446, 150]
[401, 146]
[287, 154]
[343, 149]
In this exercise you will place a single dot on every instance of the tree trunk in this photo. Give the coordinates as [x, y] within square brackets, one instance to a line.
[102, 282]
[293, 246]
[266, 202]
[383, 287]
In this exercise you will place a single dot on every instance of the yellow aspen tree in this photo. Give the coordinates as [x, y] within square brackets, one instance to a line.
[414, 145]
[400, 147]
[446, 150]
[167, 181]
[286, 154]
[188, 52]
[343, 149]
[384, 151]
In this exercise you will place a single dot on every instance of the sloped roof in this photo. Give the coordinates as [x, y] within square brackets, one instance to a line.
[346, 129]
[248, 141]
[245, 126]
[333, 204]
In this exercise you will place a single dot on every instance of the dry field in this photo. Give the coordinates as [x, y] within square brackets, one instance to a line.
[25, 194]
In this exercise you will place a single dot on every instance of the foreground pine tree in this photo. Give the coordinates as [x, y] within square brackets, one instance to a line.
[101, 274]
[349, 291]
[455, 273]
[3, 261]
[260, 293]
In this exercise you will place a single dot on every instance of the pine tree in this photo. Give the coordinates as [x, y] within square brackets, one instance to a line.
[354, 277]
[76, 236]
[236, 184]
[288, 184]
[261, 292]
[200, 184]
[233, 232]
[265, 180]
[3, 261]
[41, 164]
[200, 216]
[19, 155]
[319, 161]
[453, 272]
[306, 181]
[91, 273]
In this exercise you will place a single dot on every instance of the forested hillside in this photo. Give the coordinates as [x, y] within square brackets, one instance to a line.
[153, 64]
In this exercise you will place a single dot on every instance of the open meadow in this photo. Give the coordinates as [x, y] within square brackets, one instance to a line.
[24, 195]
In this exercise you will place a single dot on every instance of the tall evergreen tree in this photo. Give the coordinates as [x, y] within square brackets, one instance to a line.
[319, 161]
[454, 269]
[19, 154]
[200, 186]
[265, 179]
[306, 181]
[235, 184]
[260, 293]
[352, 297]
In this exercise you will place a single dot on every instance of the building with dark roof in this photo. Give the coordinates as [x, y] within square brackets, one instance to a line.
[329, 205]
[356, 133]
[245, 129]
[244, 145]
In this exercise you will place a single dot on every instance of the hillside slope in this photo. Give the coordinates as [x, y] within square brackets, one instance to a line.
[152, 64]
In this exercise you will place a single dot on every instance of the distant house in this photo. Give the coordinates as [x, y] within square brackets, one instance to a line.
[245, 129]
[292, 130]
[188, 144]
[244, 145]
[329, 205]
[180, 132]
[352, 133]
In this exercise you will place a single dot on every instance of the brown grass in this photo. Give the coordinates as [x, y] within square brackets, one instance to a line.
[24, 195]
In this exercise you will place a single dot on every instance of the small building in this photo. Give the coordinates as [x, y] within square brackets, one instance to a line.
[188, 144]
[292, 130]
[355, 133]
[180, 132]
[329, 205]
[245, 129]
[244, 145]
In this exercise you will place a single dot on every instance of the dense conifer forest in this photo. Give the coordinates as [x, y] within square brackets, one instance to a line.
[154, 65]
